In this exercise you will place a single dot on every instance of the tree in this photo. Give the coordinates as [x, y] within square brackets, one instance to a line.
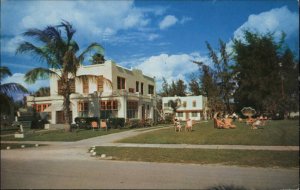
[224, 73]
[97, 58]
[59, 52]
[180, 89]
[176, 88]
[43, 91]
[165, 88]
[8, 90]
[210, 88]
[289, 68]
[266, 73]
[195, 85]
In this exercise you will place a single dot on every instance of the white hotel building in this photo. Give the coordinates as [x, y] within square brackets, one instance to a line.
[129, 94]
[190, 107]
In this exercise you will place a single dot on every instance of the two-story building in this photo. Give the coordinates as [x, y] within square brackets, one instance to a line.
[193, 107]
[104, 89]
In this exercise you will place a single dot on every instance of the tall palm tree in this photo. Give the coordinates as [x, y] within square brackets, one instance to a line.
[8, 90]
[61, 53]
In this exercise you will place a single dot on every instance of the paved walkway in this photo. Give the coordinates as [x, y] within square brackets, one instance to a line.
[110, 140]
[52, 167]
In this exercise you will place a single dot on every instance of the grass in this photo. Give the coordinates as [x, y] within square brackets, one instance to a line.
[275, 133]
[17, 146]
[286, 159]
[61, 135]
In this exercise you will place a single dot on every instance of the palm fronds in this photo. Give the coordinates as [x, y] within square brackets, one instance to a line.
[70, 31]
[10, 88]
[4, 72]
[39, 34]
[38, 73]
[94, 46]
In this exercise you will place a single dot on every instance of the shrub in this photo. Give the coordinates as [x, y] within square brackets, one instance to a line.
[169, 119]
[85, 122]
[116, 122]
[134, 123]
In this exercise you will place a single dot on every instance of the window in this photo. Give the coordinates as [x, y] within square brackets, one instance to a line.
[142, 88]
[109, 108]
[100, 83]
[115, 105]
[85, 85]
[40, 107]
[150, 89]
[83, 109]
[180, 114]
[131, 90]
[137, 86]
[132, 109]
[194, 103]
[194, 114]
[121, 83]
[109, 105]
[184, 104]
[71, 85]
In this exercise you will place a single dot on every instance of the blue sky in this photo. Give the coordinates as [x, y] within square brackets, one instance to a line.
[159, 37]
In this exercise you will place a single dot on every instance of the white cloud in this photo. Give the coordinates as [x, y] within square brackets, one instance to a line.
[168, 21]
[275, 20]
[185, 19]
[10, 45]
[19, 78]
[171, 67]
[92, 19]
[152, 37]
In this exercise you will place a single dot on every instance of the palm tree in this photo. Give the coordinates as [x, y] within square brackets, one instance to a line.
[60, 53]
[8, 90]
[43, 91]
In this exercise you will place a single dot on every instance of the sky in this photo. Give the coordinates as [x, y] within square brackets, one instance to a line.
[159, 37]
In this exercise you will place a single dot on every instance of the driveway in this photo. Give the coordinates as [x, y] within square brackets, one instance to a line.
[69, 165]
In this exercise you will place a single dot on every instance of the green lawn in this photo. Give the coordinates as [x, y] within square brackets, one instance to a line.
[204, 156]
[60, 135]
[276, 133]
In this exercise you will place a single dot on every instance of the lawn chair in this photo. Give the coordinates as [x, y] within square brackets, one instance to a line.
[218, 124]
[94, 125]
[103, 124]
[228, 123]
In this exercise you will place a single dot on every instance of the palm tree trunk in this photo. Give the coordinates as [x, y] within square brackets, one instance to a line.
[67, 102]
[67, 112]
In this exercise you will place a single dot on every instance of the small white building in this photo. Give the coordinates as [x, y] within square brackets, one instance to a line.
[193, 107]
[129, 94]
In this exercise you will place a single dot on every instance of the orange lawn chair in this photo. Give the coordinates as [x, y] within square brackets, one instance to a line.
[103, 124]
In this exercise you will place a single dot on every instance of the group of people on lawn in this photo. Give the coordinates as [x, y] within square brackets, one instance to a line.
[178, 126]
[226, 123]
[222, 123]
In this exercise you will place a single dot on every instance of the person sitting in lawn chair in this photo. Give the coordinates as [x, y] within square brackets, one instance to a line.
[189, 125]
[258, 123]
[228, 123]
